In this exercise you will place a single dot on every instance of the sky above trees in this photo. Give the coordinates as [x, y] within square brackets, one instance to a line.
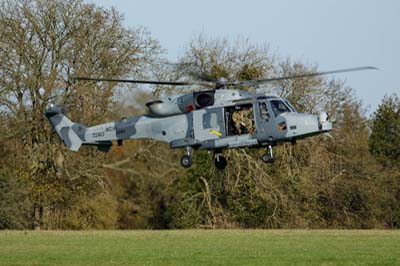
[332, 34]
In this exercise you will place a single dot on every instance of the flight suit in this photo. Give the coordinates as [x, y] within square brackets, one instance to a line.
[243, 120]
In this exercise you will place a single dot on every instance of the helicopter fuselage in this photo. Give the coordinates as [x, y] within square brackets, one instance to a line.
[214, 122]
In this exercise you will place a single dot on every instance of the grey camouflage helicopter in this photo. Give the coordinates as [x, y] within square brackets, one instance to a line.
[210, 119]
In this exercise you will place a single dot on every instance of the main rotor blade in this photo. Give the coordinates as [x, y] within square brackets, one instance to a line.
[255, 82]
[154, 82]
[219, 84]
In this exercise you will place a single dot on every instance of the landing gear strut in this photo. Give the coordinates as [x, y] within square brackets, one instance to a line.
[186, 160]
[268, 157]
[220, 161]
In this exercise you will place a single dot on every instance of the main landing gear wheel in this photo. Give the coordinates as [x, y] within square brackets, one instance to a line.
[268, 157]
[220, 162]
[186, 161]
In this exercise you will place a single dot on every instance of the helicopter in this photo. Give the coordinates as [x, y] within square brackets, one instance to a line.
[214, 120]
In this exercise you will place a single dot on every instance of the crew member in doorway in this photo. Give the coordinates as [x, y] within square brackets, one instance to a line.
[244, 121]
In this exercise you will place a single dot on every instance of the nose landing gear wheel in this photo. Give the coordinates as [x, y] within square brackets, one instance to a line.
[268, 157]
[220, 162]
[186, 161]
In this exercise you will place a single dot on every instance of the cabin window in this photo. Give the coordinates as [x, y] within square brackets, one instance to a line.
[210, 120]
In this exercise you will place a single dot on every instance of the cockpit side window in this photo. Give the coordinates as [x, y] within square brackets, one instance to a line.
[279, 107]
[264, 113]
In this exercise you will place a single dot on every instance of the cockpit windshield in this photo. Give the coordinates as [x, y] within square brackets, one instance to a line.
[291, 107]
[279, 107]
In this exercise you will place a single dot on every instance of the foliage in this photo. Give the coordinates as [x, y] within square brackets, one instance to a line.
[216, 59]
[14, 204]
[385, 137]
[44, 44]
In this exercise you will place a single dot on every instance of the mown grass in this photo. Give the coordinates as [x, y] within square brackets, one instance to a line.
[200, 247]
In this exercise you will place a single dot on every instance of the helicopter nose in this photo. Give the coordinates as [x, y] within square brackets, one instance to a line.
[302, 125]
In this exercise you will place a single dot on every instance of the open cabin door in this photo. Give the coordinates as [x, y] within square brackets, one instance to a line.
[240, 119]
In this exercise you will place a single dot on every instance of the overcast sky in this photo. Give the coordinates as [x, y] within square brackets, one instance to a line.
[332, 34]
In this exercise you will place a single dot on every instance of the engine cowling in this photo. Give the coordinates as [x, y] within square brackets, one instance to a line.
[181, 104]
[160, 108]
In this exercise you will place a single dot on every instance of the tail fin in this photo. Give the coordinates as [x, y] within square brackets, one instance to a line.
[72, 134]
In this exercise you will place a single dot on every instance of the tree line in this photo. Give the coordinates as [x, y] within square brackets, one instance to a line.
[349, 181]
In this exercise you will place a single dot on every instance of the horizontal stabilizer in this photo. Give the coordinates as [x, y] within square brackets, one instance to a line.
[103, 146]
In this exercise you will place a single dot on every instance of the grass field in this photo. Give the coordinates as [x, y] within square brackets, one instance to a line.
[200, 247]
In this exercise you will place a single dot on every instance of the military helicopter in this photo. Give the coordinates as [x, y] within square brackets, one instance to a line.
[213, 119]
